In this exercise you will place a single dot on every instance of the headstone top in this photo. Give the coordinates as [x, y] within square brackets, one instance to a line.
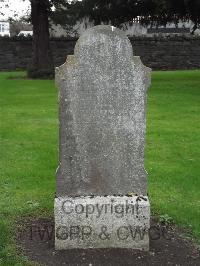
[103, 41]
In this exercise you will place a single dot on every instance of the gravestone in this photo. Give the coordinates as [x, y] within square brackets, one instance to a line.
[101, 198]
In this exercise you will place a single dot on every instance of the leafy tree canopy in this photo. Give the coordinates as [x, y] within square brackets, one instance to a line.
[119, 11]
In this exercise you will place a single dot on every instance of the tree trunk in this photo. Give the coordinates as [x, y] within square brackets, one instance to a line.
[42, 61]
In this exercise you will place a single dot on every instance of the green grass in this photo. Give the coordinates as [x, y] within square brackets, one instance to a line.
[173, 146]
[29, 141]
[29, 149]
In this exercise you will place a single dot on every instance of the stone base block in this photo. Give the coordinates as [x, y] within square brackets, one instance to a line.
[102, 222]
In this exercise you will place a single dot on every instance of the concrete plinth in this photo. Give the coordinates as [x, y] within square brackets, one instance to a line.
[102, 222]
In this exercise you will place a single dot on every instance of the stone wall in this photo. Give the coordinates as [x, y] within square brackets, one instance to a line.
[164, 53]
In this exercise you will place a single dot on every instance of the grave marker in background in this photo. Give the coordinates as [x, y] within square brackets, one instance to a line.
[101, 181]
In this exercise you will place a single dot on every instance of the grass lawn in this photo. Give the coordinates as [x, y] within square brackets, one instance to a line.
[29, 149]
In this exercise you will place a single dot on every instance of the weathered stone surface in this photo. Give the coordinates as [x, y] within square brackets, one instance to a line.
[102, 117]
[102, 222]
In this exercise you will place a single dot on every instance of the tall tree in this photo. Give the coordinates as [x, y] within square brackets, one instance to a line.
[42, 61]
[41, 65]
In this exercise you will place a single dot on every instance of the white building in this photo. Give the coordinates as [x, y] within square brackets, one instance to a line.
[4, 28]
